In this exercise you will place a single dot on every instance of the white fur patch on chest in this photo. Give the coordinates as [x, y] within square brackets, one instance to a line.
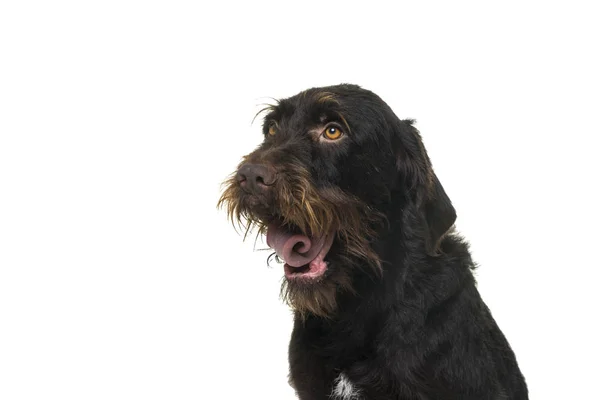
[343, 389]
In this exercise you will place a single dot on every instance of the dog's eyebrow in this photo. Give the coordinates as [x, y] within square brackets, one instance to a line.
[329, 108]
[335, 116]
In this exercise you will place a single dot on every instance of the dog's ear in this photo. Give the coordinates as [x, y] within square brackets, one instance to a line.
[436, 212]
[439, 215]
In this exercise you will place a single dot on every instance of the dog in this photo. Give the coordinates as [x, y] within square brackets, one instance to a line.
[382, 287]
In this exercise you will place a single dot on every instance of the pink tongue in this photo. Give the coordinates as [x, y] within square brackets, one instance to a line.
[295, 249]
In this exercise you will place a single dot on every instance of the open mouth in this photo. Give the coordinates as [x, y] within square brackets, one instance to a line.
[304, 256]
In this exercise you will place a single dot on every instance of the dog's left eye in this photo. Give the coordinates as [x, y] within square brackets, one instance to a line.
[332, 133]
[272, 129]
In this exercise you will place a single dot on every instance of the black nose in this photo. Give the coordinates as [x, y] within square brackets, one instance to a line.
[256, 177]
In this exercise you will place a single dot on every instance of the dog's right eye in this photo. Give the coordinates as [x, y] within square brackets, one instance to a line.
[333, 133]
[272, 129]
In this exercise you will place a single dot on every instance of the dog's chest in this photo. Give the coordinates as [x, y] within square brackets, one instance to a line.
[344, 389]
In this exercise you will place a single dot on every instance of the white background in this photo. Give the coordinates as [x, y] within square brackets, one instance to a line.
[119, 279]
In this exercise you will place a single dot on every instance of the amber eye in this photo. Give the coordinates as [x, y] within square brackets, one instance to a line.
[332, 133]
[272, 129]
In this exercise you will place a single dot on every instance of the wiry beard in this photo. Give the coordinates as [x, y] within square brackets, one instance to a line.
[297, 203]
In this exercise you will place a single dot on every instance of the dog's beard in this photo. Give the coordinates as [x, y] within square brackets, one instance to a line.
[318, 298]
[297, 205]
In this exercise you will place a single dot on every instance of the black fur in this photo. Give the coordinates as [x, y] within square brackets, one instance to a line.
[415, 326]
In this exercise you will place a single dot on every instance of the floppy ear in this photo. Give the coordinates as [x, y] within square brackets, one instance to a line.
[436, 213]
[439, 215]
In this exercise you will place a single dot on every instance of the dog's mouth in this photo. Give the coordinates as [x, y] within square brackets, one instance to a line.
[304, 256]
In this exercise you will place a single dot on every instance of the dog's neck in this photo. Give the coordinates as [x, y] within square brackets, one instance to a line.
[399, 244]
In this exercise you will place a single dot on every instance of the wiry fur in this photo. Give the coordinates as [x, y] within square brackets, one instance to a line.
[397, 313]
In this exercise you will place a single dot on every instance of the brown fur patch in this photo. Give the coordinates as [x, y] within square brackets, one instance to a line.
[325, 97]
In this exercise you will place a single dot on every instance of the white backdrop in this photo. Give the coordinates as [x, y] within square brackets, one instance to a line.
[119, 279]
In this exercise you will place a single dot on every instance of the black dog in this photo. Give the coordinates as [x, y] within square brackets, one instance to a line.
[383, 292]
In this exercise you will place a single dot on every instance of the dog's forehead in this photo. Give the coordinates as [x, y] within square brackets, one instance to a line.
[317, 106]
[307, 106]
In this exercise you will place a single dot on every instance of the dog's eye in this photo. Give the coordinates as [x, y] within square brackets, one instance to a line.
[332, 133]
[272, 129]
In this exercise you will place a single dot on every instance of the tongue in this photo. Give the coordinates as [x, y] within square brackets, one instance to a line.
[295, 249]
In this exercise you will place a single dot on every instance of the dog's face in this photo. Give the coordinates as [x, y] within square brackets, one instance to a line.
[334, 164]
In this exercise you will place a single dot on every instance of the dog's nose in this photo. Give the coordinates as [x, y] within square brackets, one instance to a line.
[256, 177]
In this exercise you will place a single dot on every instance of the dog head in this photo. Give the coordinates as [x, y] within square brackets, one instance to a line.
[335, 168]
